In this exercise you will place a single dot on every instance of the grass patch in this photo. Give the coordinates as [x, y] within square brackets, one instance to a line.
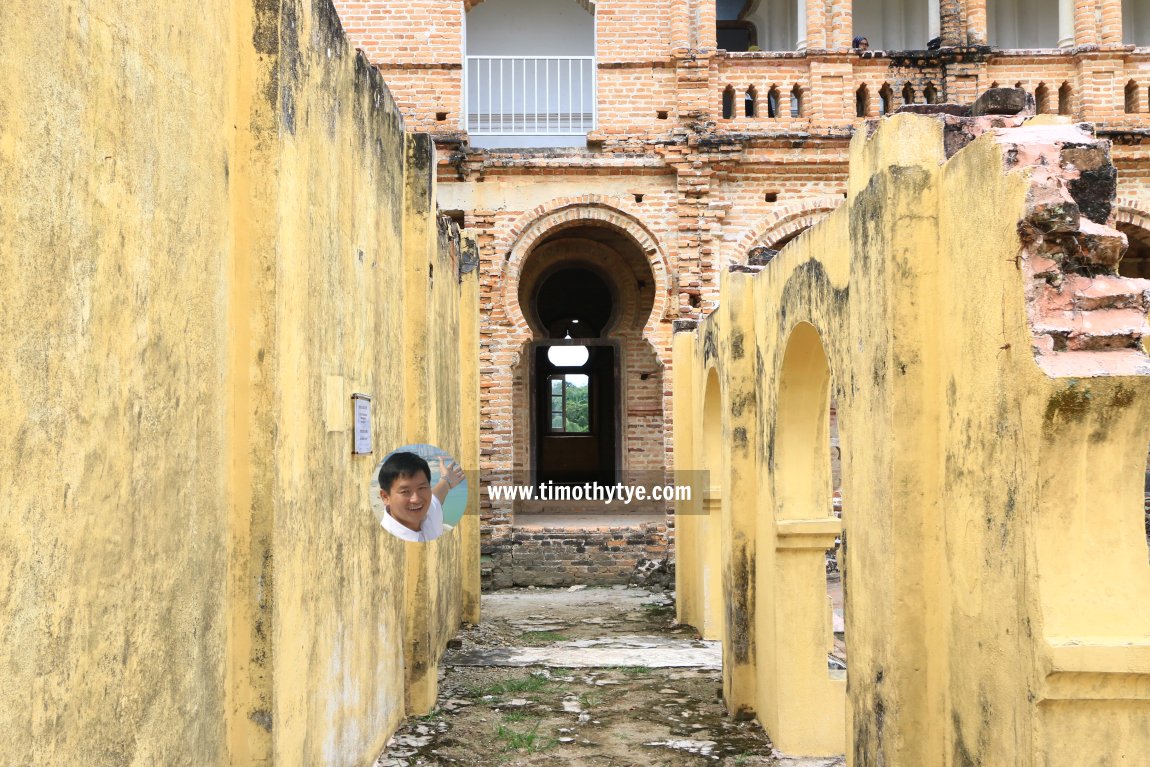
[514, 717]
[635, 670]
[542, 637]
[524, 740]
[590, 699]
[531, 683]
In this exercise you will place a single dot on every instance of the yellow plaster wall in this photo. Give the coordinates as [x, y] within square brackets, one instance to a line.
[204, 252]
[994, 557]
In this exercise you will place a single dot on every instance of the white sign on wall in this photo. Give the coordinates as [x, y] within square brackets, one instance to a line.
[362, 419]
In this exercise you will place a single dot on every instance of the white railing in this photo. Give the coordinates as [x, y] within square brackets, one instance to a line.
[552, 95]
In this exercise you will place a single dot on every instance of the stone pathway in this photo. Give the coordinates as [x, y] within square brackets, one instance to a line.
[595, 677]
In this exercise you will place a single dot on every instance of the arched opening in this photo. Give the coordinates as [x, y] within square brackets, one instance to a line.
[1136, 261]
[862, 101]
[1042, 99]
[885, 99]
[751, 102]
[773, 102]
[1131, 98]
[930, 94]
[836, 558]
[710, 543]
[803, 489]
[1136, 23]
[751, 25]
[908, 94]
[892, 25]
[1064, 93]
[728, 102]
[586, 293]
[530, 73]
[1022, 23]
[796, 101]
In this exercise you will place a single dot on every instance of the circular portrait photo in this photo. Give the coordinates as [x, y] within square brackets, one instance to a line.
[418, 492]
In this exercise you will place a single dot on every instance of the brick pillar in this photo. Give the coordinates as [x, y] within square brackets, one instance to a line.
[1085, 22]
[1111, 32]
[705, 15]
[976, 22]
[841, 28]
[952, 21]
[680, 26]
[816, 11]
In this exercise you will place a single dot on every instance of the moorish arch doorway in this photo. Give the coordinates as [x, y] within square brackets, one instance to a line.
[589, 388]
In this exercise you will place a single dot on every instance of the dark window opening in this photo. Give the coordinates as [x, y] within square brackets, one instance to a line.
[736, 36]
[750, 102]
[908, 94]
[728, 102]
[886, 99]
[773, 102]
[930, 94]
[732, 31]
[1131, 97]
[862, 101]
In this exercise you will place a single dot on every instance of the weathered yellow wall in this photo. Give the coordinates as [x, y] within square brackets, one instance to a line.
[994, 558]
[204, 251]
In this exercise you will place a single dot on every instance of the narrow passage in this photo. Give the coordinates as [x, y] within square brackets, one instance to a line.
[591, 677]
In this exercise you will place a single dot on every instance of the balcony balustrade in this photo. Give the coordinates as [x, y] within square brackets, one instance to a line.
[530, 95]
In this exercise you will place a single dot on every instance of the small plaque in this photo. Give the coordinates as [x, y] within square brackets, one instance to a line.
[362, 440]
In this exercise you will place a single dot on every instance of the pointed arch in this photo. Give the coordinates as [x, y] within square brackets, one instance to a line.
[1065, 93]
[773, 102]
[1042, 99]
[886, 99]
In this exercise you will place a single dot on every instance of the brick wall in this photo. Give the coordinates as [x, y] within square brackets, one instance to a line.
[543, 555]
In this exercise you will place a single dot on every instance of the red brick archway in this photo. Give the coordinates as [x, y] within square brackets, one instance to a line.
[564, 213]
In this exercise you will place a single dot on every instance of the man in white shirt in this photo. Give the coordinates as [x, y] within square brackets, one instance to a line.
[413, 509]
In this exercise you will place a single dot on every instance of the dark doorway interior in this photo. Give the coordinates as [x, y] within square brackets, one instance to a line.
[574, 381]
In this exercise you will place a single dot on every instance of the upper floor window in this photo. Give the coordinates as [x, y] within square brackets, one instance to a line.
[530, 73]
[893, 25]
[751, 25]
[1023, 23]
[1136, 23]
